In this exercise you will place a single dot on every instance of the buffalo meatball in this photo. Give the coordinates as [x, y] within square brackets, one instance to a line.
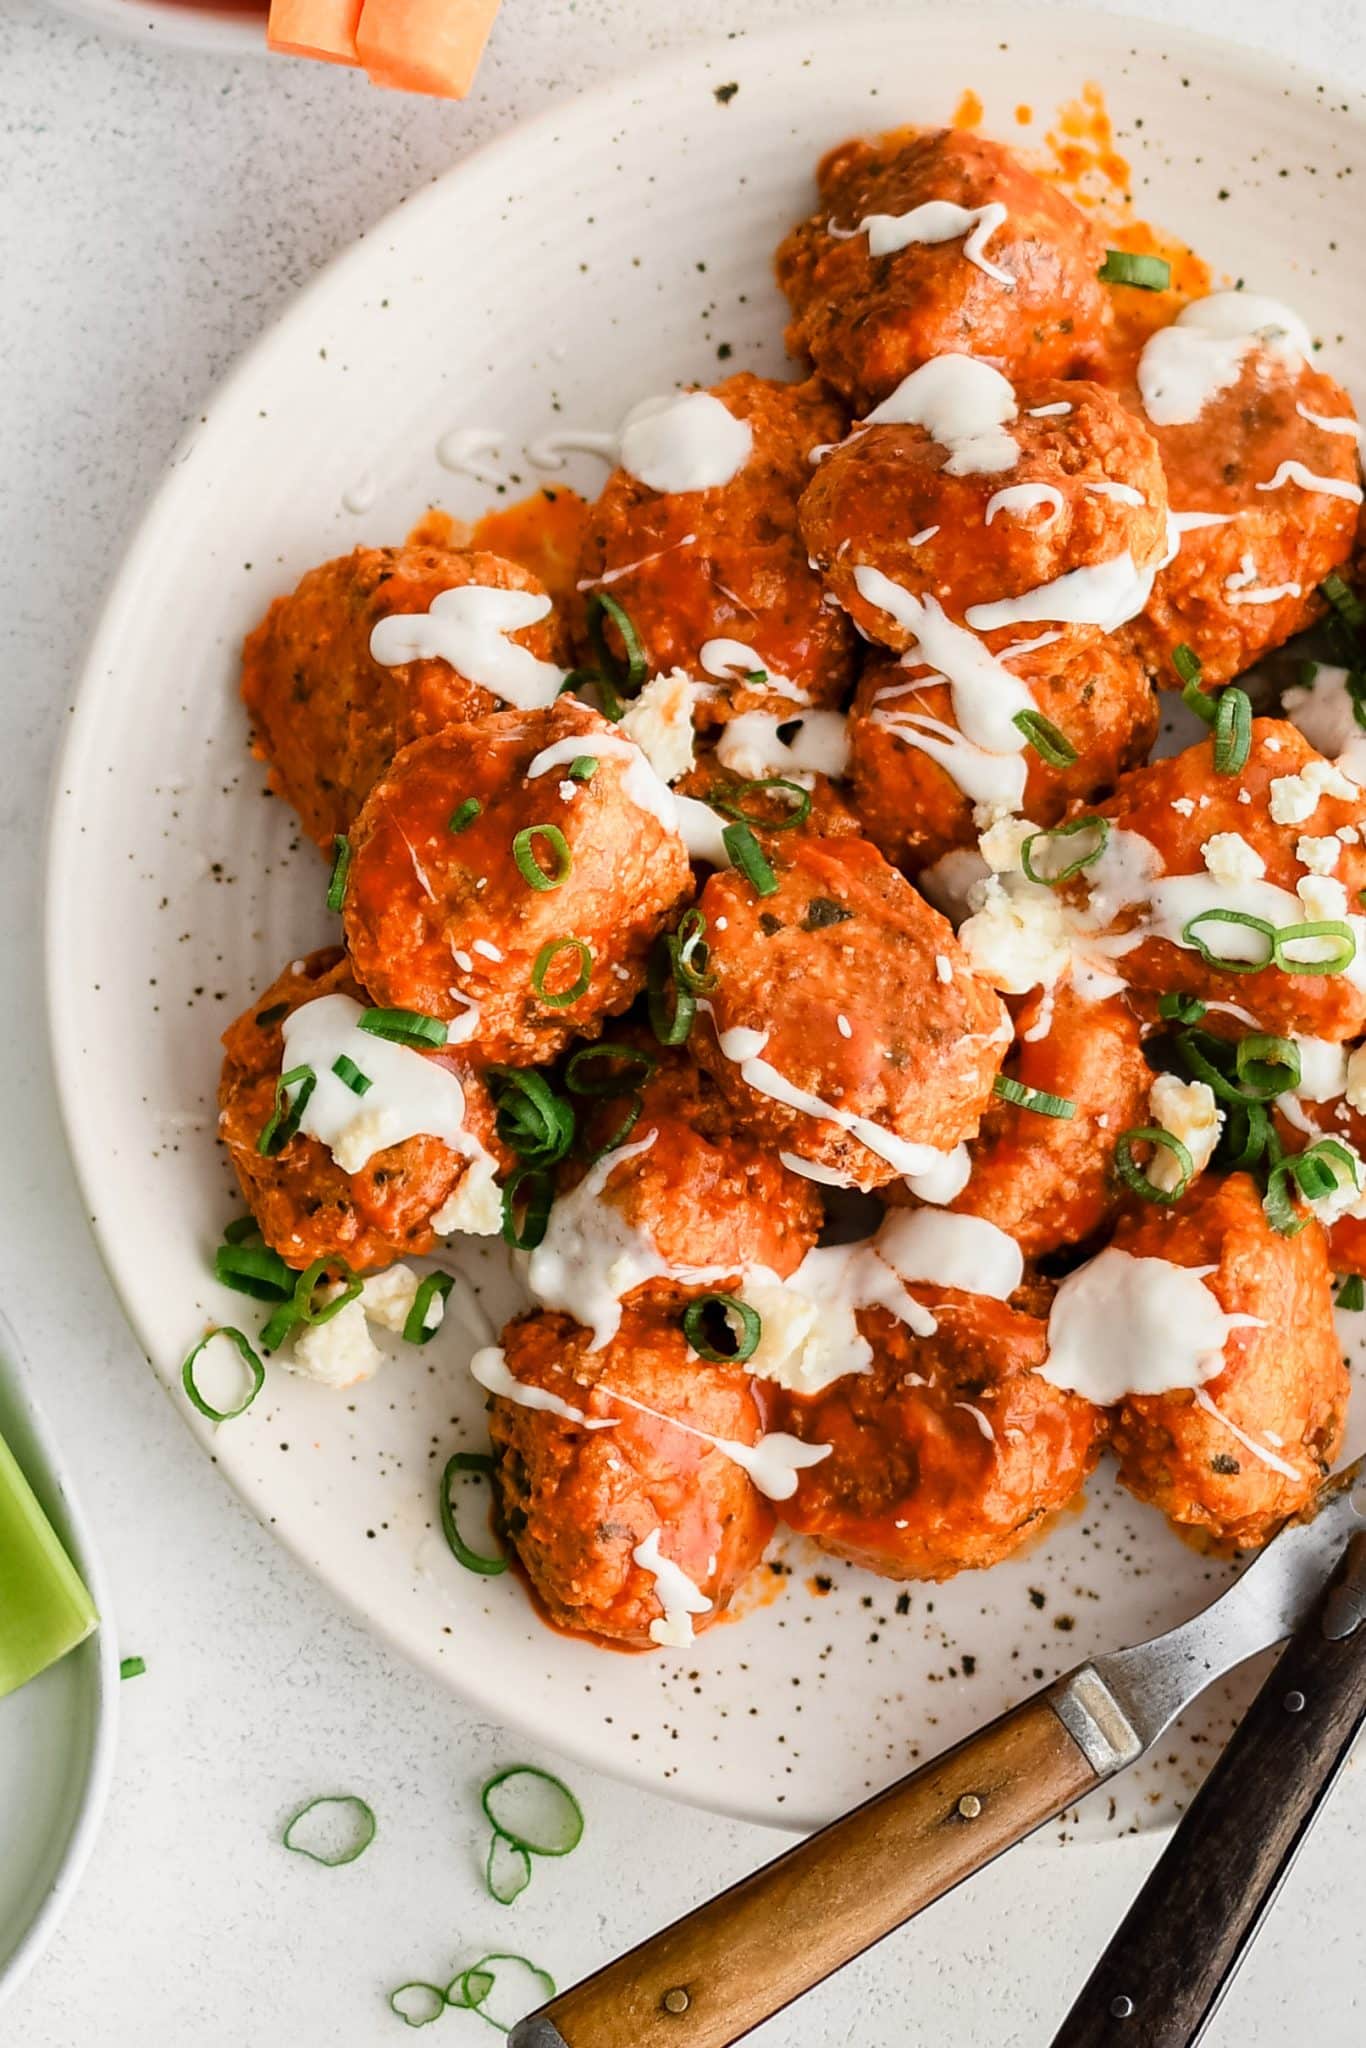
[630, 1522]
[949, 1451]
[326, 713]
[844, 1022]
[715, 580]
[927, 244]
[340, 1185]
[511, 875]
[1248, 1448]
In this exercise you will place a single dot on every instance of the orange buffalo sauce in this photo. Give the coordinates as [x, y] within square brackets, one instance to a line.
[542, 532]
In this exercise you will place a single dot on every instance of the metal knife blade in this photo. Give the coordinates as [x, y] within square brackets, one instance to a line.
[1116, 1705]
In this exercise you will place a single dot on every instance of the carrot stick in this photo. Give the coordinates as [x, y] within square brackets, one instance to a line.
[325, 29]
[431, 46]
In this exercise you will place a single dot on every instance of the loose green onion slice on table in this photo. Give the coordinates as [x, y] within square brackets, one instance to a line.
[532, 1809]
[1232, 731]
[1351, 1294]
[1036, 1099]
[628, 1067]
[1052, 746]
[348, 1072]
[748, 856]
[474, 1986]
[464, 815]
[583, 768]
[1335, 962]
[405, 1027]
[253, 1269]
[559, 999]
[507, 1869]
[432, 1287]
[1038, 865]
[421, 2003]
[1191, 936]
[1133, 1176]
[732, 1310]
[533, 1119]
[670, 1025]
[256, 1374]
[334, 1808]
[728, 799]
[533, 1187]
[1319, 1170]
[528, 860]
[341, 864]
[473, 1560]
[625, 672]
[45, 1609]
[132, 1667]
[1124, 266]
[1179, 1009]
[284, 1118]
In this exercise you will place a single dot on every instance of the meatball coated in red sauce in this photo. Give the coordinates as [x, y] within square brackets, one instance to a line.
[440, 917]
[830, 814]
[325, 714]
[1178, 806]
[1049, 1181]
[866, 320]
[1085, 488]
[578, 1503]
[948, 1451]
[838, 974]
[904, 740]
[728, 563]
[1213, 595]
[306, 1206]
[1283, 1386]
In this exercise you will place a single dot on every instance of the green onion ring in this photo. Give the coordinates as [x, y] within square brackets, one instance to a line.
[434, 1286]
[1232, 732]
[350, 1075]
[284, 1119]
[1032, 1098]
[369, 1829]
[640, 1067]
[1242, 917]
[748, 856]
[464, 815]
[583, 767]
[1048, 742]
[1352, 1293]
[628, 675]
[579, 987]
[670, 1026]
[341, 865]
[529, 867]
[746, 1344]
[509, 1881]
[560, 1843]
[311, 1278]
[726, 798]
[253, 1269]
[1324, 928]
[539, 1199]
[532, 1118]
[1243, 1140]
[1267, 1065]
[1188, 667]
[1125, 266]
[1073, 867]
[240, 1229]
[1344, 600]
[1315, 1172]
[1179, 1009]
[425, 2019]
[405, 1027]
[1134, 1177]
[473, 1560]
[631, 1118]
[461, 1991]
[249, 1359]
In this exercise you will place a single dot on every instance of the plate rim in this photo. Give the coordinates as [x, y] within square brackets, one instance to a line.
[1280, 78]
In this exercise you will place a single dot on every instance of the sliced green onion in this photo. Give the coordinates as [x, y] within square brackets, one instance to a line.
[1267, 1065]
[405, 1027]
[284, 1119]
[1178, 1009]
[638, 1066]
[312, 1277]
[1315, 1172]
[747, 1339]
[1133, 1175]
[1243, 917]
[727, 799]
[1123, 266]
[132, 1667]
[1186, 662]
[1337, 962]
[1032, 1098]
[529, 866]
[533, 1119]
[1352, 1293]
[464, 815]
[1085, 859]
[1232, 732]
[1052, 746]
[1344, 600]
[532, 1809]
[365, 1829]
[470, 1989]
[591, 680]
[341, 864]
[540, 1195]
[507, 1869]
[473, 1560]
[670, 1026]
[1244, 1138]
[240, 1229]
[45, 1610]
[432, 1287]
[692, 954]
[549, 952]
[630, 1118]
[428, 2003]
[583, 768]
[350, 1074]
[255, 1370]
[253, 1269]
[628, 675]
[748, 856]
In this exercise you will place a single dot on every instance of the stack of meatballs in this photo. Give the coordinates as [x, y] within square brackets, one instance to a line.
[794, 1011]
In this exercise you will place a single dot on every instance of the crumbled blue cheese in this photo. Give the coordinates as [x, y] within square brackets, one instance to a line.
[1188, 1110]
[476, 1207]
[1320, 856]
[1229, 858]
[338, 1353]
[1017, 938]
[1296, 797]
[660, 721]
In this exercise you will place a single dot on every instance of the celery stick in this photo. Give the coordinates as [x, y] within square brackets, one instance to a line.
[45, 1609]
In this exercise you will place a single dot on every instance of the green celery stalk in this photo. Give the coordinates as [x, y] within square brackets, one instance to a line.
[45, 1609]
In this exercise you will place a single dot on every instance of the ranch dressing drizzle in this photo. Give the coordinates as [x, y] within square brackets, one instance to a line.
[410, 1095]
[1340, 423]
[468, 627]
[772, 1463]
[630, 568]
[548, 451]
[983, 777]
[962, 404]
[1106, 595]
[965, 1253]
[645, 789]
[1296, 473]
[489, 1367]
[1123, 1325]
[676, 1594]
[809, 1334]
[750, 746]
[1185, 366]
[1269, 594]
[1248, 1443]
[810, 1169]
[1022, 498]
[688, 441]
[466, 451]
[986, 696]
[935, 221]
[1048, 412]
[703, 831]
[732, 661]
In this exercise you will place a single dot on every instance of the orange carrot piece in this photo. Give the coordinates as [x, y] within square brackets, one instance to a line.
[431, 46]
[325, 29]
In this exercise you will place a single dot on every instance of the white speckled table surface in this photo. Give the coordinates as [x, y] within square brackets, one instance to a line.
[156, 210]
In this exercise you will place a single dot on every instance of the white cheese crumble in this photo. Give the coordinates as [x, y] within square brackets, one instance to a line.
[1322, 897]
[1002, 841]
[476, 1207]
[338, 1353]
[1184, 804]
[1356, 1080]
[1320, 856]
[660, 721]
[1017, 939]
[1229, 858]
[1296, 797]
[1188, 1110]
[943, 967]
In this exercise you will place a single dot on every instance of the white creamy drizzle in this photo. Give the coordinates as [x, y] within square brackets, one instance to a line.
[548, 451]
[1019, 647]
[1323, 1069]
[361, 495]
[1107, 594]
[733, 661]
[1325, 712]
[489, 1367]
[460, 1030]
[688, 441]
[982, 1421]
[772, 1463]
[934, 221]
[630, 568]
[1248, 1443]
[1270, 594]
[468, 627]
[1185, 366]
[926, 533]
[944, 1250]
[749, 745]
[410, 1095]
[986, 696]
[809, 1334]
[962, 404]
[811, 1169]
[983, 777]
[675, 1592]
[474, 452]
[1049, 412]
[1339, 423]
[1123, 494]
[1123, 1325]
[1043, 1023]
[1296, 473]
[487, 948]
[644, 788]
[1022, 498]
[947, 1177]
[703, 831]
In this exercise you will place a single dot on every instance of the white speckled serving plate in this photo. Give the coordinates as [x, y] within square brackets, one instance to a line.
[585, 260]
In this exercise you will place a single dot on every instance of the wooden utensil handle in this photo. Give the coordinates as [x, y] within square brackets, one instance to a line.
[712, 1976]
[1177, 1949]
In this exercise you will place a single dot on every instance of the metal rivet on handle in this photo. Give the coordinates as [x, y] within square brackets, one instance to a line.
[677, 2000]
[1293, 1703]
[969, 1806]
[1121, 2008]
